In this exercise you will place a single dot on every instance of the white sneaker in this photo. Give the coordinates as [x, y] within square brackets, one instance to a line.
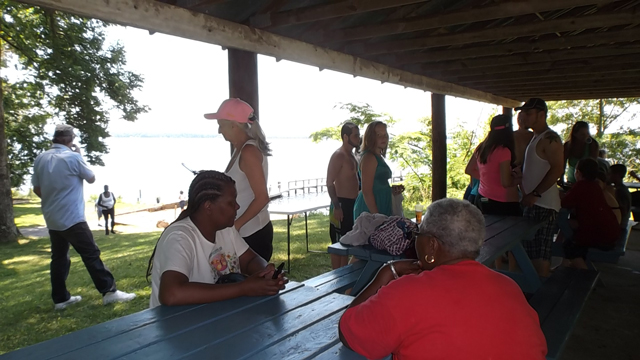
[117, 296]
[72, 300]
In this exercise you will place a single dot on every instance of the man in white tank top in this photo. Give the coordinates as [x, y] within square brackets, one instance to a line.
[543, 166]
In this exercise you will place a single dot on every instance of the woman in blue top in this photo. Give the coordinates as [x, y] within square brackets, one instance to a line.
[375, 196]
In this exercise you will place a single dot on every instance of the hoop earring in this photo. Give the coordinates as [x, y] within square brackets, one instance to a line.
[433, 259]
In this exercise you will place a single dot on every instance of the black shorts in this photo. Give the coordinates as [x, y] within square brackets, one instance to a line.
[336, 230]
[492, 207]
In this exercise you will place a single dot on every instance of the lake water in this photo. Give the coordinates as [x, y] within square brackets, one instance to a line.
[151, 167]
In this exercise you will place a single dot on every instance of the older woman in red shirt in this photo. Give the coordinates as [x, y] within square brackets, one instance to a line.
[446, 305]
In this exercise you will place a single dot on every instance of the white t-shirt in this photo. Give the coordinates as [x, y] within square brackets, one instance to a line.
[182, 248]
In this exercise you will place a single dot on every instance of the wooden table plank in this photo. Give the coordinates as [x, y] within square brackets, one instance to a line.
[495, 228]
[123, 343]
[491, 219]
[85, 337]
[503, 241]
[304, 345]
[332, 275]
[247, 333]
[341, 352]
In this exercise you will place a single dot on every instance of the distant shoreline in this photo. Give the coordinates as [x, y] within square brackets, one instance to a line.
[192, 136]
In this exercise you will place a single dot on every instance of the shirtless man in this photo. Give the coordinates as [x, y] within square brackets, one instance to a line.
[543, 166]
[522, 138]
[343, 187]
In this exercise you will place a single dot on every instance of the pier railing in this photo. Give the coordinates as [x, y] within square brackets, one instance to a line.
[315, 185]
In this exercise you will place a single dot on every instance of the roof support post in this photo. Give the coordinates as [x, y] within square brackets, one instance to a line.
[243, 78]
[507, 111]
[438, 147]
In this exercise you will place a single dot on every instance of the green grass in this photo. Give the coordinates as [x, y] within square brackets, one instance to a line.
[29, 214]
[25, 302]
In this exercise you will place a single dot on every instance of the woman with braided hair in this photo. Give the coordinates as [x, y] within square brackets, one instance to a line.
[202, 245]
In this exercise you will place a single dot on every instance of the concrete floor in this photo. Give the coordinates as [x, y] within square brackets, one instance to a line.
[609, 326]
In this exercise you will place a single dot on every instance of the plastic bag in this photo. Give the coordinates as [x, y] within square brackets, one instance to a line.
[396, 205]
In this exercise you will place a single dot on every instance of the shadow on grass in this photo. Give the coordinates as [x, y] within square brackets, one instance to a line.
[25, 300]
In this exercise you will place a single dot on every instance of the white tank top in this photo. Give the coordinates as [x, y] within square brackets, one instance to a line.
[107, 202]
[246, 195]
[534, 170]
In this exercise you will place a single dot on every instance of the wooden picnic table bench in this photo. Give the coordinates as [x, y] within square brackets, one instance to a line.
[503, 233]
[559, 303]
[601, 256]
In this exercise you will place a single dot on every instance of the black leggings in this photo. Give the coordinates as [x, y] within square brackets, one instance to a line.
[261, 241]
[106, 213]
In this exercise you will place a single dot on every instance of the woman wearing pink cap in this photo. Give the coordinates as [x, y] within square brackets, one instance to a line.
[249, 168]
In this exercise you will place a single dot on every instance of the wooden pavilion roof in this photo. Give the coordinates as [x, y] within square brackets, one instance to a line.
[554, 49]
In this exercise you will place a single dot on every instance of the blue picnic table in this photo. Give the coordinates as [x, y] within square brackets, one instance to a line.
[299, 323]
[503, 234]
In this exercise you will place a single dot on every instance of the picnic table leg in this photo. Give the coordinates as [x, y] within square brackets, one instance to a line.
[289, 220]
[306, 230]
[367, 274]
[530, 274]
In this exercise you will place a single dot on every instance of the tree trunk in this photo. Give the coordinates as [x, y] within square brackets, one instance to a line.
[601, 121]
[8, 229]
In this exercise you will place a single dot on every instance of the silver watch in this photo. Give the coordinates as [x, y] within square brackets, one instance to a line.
[393, 269]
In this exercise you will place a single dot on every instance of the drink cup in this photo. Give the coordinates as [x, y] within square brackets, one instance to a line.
[419, 209]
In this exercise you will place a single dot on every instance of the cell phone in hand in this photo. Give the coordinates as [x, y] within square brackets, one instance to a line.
[278, 271]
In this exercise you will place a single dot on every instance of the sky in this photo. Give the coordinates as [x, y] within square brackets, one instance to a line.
[185, 79]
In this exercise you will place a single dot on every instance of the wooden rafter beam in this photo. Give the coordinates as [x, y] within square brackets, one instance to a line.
[604, 93]
[605, 37]
[324, 11]
[498, 33]
[499, 11]
[523, 71]
[505, 63]
[154, 16]
[585, 96]
[205, 3]
[607, 93]
[607, 81]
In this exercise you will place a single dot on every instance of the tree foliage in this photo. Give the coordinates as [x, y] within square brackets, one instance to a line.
[360, 114]
[412, 152]
[617, 129]
[68, 74]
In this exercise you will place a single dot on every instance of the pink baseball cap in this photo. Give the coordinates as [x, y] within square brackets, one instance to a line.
[234, 110]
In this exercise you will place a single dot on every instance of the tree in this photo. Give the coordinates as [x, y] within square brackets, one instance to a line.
[361, 115]
[68, 74]
[613, 119]
[412, 152]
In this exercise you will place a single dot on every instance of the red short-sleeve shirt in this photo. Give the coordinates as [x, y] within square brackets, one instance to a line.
[460, 311]
[597, 224]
